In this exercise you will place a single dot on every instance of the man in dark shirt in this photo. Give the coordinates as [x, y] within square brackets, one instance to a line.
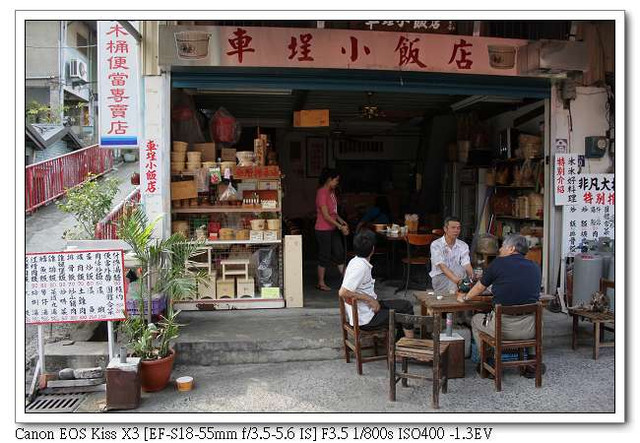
[514, 280]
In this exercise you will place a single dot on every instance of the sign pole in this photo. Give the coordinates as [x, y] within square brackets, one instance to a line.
[41, 349]
[110, 338]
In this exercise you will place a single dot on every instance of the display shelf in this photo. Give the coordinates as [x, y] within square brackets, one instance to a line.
[221, 209]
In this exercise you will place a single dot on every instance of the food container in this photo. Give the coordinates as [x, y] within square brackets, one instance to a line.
[177, 166]
[273, 224]
[178, 156]
[228, 165]
[257, 225]
[184, 383]
[193, 166]
[501, 56]
[180, 146]
[194, 157]
[242, 234]
[208, 165]
[226, 234]
[245, 158]
[192, 44]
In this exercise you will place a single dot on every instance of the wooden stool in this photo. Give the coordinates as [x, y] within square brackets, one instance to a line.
[597, 318]
[233, 268]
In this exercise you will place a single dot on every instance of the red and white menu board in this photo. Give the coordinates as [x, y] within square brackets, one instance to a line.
[74, 286]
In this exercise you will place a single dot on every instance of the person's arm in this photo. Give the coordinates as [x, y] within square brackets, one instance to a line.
[325, 214]
[372, 302]
[474, 294]
[437, 259]
[450, 275]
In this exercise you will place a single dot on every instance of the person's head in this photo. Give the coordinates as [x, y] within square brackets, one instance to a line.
[452, 227]
[329, 177]
[514, 244]
[363, 243]
[382, 203]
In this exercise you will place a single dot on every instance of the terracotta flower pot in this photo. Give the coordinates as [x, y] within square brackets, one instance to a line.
[154, 374]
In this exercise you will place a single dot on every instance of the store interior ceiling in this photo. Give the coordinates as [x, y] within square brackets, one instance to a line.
[351, 113]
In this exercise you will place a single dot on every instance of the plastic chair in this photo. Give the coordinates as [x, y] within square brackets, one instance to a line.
[496, 342]
[353, 337]
[421, 350]
[418, 254]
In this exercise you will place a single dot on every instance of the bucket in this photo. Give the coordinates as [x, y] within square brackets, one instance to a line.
[192, 45]
[180, 146]
[208, 165]
[257, 224]
[502, 57]
[194, 156]
[273, 225]
[192, 166]
[184, 384]
[412, 225]
[178, 156]
[177, 166]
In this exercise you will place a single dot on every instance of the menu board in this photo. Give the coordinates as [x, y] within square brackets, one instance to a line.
[586, 222]
[74, 286]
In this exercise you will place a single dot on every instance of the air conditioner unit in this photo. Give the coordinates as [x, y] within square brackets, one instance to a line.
[78, 70]
[552, 57]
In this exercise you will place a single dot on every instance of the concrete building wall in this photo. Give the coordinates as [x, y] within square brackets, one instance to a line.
[42, 48]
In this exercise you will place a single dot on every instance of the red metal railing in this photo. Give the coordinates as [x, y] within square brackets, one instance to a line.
[50, 179]
[107, 227]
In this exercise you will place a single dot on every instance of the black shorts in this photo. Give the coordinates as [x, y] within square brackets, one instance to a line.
[330, 249]
[381, 318]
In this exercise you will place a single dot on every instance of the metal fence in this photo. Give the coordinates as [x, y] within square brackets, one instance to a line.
[50, 179]
[107, 227]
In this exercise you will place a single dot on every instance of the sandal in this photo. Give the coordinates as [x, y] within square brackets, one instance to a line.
[324, 288]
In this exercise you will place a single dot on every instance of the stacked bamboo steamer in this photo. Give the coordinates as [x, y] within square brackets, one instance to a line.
[178, 156]
[194, 160]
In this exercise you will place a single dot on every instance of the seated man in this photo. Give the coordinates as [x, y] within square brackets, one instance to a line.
[449, 258]
[357, 282]
[514, 280]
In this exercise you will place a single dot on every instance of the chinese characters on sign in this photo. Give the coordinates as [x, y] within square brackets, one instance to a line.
[565, 179]
[74, 286]
[150, 158]
[341, 49]
[435, 26]
[118, 85]
[585, 222]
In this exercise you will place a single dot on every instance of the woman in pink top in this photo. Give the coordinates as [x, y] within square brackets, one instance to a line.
[329, 226]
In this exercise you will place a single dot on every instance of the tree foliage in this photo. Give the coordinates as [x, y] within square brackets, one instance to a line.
[89, 203]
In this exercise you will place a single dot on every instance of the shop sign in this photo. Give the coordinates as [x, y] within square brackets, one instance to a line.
[422, 26]
[236, 46]
[573, 188]
[586, 222]
[566, 170]
[150, 159]
[74, 286]
[118, 86]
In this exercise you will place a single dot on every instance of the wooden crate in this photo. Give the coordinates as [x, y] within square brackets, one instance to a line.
[455, 358]
[245, 288]
[183, 190]
[226, 288]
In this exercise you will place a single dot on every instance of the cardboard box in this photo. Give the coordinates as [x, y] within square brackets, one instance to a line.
[256, 235]
[311, 118]
[183, 190]
[228, 155]
[271, 235]
[270, 292]
[208, 151]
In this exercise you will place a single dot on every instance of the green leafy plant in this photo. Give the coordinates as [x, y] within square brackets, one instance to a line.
[165, 265]
[89, 203]
[37, 112]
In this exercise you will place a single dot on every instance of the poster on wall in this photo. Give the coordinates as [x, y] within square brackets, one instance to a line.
[585, 222]
[316, 156]
[566, 170]
[63, 287]
[118, 86]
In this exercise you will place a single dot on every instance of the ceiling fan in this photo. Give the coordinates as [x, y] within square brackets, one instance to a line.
[371, 111]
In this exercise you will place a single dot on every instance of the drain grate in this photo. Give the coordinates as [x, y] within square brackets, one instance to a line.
[58, 403]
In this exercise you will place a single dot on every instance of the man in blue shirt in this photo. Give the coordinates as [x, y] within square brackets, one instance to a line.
[514, 280]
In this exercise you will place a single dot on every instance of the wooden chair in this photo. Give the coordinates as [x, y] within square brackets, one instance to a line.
[353, 337]
[418, 253]
[499, 344]
[418, 350]
[601, 321]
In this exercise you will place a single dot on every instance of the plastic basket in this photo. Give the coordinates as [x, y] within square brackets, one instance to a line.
[158, 305]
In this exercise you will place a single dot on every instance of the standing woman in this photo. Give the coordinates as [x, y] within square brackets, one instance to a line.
[329, 226]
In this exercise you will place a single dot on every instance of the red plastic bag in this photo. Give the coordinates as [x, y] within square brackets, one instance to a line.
[225, 129]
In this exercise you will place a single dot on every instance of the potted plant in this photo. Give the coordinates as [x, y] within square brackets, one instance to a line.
[165, 268]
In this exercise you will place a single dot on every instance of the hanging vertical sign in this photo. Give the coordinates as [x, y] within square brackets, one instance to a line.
[118, 86]
[585, 222]
[566, 171]
[150, 163]
[74, 286]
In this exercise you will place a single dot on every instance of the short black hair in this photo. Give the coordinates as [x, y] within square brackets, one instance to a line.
[326, 174]
[363, 243]
[451, 218]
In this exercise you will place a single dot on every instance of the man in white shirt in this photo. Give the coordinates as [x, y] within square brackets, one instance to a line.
[357, 282]
[449, 259]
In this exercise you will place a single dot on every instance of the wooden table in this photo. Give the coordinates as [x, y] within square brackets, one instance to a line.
[599, 320]
[430, 305]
